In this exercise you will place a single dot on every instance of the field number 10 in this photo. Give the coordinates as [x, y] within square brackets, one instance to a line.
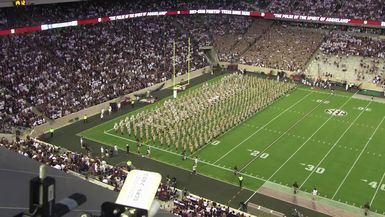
[318, 170]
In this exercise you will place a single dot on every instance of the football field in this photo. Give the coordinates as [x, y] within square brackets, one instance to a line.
[333, 142]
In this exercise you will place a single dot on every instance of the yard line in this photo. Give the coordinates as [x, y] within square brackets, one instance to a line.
[227, 131]
[362, 151]
[177, 154]
[110, 130]
[315, 132]
[283, 134]
[338, 140]
[331, 116]
[321, 92]
[262, 128]
[378, 187]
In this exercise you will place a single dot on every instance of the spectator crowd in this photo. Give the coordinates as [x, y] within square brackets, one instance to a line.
[221, 31]
[65, 160]
[15, 111]
[64, 71]
[371, 52]
[49, 74]
[53, 73]
[284, 48]
[40, 14]
[189, 206]
[53, 13]
[182, 202]
[353, 9]
[347, 44]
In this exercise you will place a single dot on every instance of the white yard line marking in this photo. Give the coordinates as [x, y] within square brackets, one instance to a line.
[322, 92]
[110, 130]
[227, 131]
[315, 132]
[378, 187]
[283, 134]
[354, 164]
[324, 117]
[331, 116]
[261, 128]
[235, 126]
[177, 154]
[335, 144]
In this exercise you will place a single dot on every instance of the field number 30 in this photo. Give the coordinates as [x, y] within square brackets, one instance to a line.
[318, 170]
[255, 153]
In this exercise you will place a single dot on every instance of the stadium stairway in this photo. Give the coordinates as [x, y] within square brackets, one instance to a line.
[314, 54]
[210, 55]
[252, 27]
[371, 86]
[180, 28]
[36, 111]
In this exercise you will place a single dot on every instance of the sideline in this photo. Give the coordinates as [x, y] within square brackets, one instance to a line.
[179, 155]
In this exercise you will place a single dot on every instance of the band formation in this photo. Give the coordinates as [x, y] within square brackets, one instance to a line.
[202, 114]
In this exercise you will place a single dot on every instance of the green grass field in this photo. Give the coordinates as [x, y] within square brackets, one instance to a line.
[295, 139]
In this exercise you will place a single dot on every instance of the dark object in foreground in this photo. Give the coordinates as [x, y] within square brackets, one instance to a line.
[42, 198]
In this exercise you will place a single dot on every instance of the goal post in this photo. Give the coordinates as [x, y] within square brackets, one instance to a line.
[183, 84]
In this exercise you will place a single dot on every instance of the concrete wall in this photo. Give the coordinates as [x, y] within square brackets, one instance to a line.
[96, 109]
[256, 68]
[9, 137]
[261, 211]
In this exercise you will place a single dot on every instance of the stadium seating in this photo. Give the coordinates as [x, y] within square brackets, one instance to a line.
[65, 160]
[49, 74]
[284, 48]
[342, 52]
[184, 204]
[367, 9]
[42, 14]
[16, 111]
[108, 60]
[36, 15]
[60, 72]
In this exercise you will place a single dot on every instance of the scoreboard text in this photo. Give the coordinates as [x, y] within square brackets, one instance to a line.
[20, 2]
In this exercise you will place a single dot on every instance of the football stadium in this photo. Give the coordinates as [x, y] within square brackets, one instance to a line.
[192, 108]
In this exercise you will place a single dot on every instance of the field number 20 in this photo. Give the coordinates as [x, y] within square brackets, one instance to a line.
[318, 170]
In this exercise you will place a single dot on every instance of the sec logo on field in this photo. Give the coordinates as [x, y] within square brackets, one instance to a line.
[336, 112]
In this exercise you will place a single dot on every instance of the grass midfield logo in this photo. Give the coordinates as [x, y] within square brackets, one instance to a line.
[336, 112]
